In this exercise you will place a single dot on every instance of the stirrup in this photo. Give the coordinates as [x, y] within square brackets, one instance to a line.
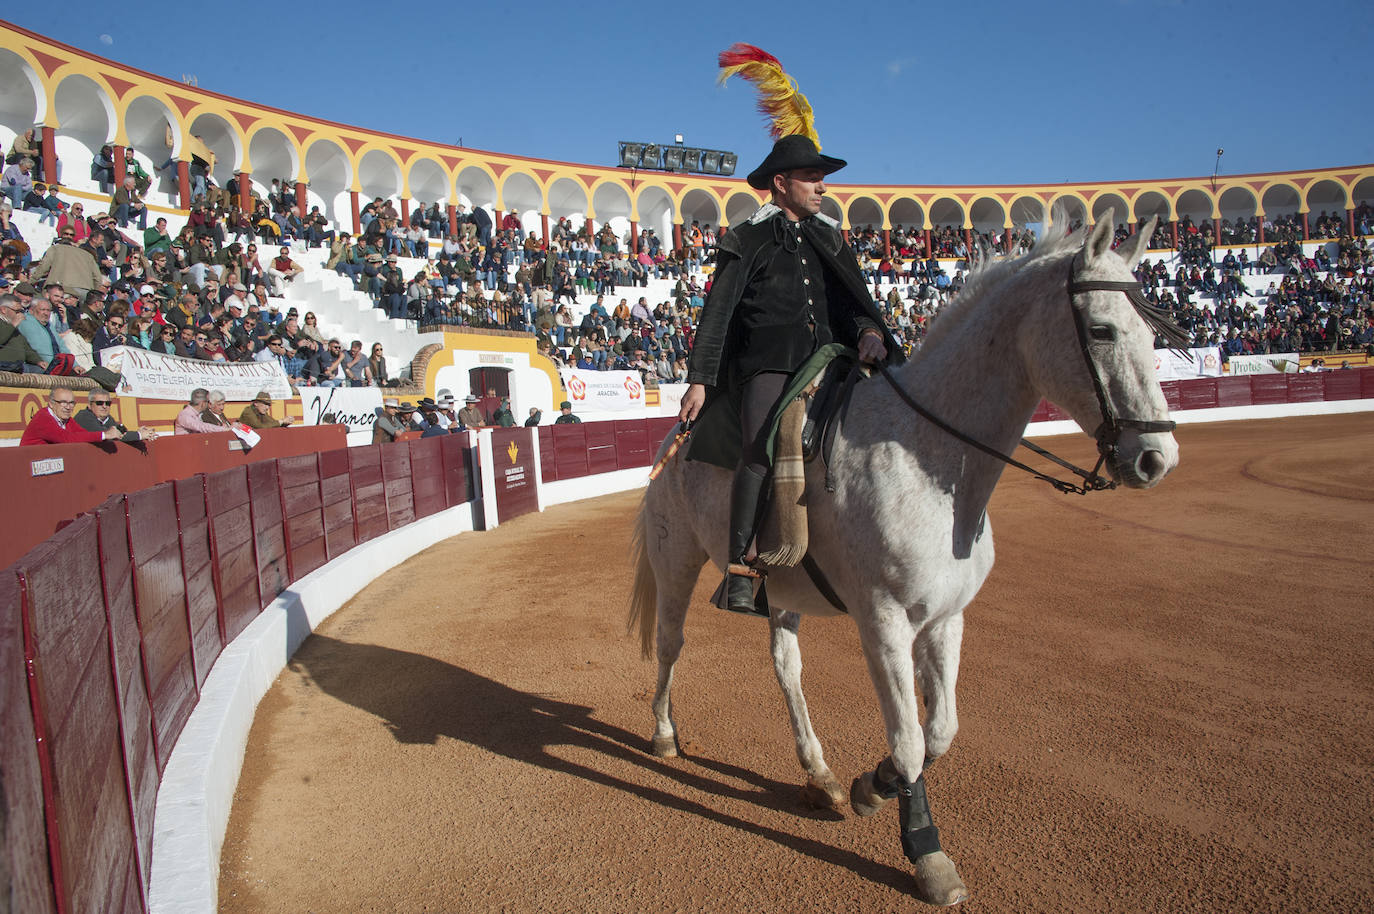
[745, 571]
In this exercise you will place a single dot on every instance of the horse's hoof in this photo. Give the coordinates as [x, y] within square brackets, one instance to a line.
[863, 799]
[665, 746]
[825, 793]
[937, 882]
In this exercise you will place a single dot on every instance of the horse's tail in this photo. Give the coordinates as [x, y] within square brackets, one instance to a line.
[644, 593]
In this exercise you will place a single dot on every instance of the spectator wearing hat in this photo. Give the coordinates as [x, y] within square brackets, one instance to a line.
[565, 415]
[470, 416]
[502, 416]
[388, 423]
[429, 419]
[408, 416]
[258, 413]
[392, 289]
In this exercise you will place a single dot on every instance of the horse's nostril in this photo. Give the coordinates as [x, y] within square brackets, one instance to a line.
[1151, 465]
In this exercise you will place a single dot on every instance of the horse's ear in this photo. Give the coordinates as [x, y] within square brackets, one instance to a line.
[1100, 241]
[1133, 248]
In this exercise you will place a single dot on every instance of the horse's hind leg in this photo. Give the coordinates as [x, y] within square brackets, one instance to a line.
[821, 790]
[673, 598]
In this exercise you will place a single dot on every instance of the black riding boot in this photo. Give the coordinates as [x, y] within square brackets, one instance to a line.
[736, 592]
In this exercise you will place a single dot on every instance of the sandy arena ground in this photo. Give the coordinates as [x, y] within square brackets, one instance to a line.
[1166, 699]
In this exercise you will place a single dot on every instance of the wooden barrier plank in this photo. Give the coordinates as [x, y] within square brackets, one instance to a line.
[632, 447]
[457, 480]
[1268, 389]
[369, 492]
[90, 831]
[1233, 391]
[231, 545]
[136, 720]
[269, 534]
[427, 475]
[1198, 393]
[23, 833]
[202, 603]
[160, 603]
[548, 461]
[570, 450]
[1304, 388]
[1171, 393]
[601, 456]
[1366, 383]
[400, 497]
[336, 492]
[1340, 385]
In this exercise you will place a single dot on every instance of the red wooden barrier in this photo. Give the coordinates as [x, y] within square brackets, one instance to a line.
[548, 461]
[1304, 388]
[336, 493]
[1268, 389]
[369, 491]
[160, 602]
[569, 450]
[632, 445]
[1198, 394]
[303, 510]
[269, 534]
[427, 475]
[136, 717]
[1233, 391]
[76, 713]
[658, 429]
[231, 548]
[1366, 383]
[24, 850]
[1171, 393]
[1340, 385]
[457, 480]
[396, 483]
[201, 600]
[600, 445]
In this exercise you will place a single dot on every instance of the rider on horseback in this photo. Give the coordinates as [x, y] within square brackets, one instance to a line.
[786, 283]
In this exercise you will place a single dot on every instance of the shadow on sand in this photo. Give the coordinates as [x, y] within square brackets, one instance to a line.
[421, 699]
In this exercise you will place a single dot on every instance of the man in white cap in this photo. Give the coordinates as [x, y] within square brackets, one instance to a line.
[388, 424]
[470, 416]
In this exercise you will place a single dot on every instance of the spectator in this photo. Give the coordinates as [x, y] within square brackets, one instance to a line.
[535, 415]
[16, 353]
[188, 421]
[275, 351]
[16, 181]
[111, 333]
[281, 271]
[470, 416]
[165, 341]
[70, 266]
[356, 367]
[189, 342]
[37, 329]
[127, 205]
[388, 423]
[503, 417]
[565, 415]
[213, 414]
[54, 424]
[258, 413]
[325, 368]
[96, 418]
[103, 169]
[377, 363]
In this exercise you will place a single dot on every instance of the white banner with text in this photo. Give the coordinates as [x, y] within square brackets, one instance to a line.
[1202, 362]
[355, 407]
[604, 390]
[1273, 363]
[170, 377]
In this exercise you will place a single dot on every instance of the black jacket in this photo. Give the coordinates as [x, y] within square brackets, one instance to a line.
[756, 316]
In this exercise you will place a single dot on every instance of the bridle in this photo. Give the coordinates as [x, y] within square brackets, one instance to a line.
[1108, 434]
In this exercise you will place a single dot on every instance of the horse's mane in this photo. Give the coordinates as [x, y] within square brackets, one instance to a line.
[991, 272]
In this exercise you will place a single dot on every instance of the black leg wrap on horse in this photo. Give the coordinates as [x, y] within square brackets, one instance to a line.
[919, 834]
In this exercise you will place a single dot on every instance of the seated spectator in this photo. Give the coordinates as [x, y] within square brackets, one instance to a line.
[258, 413]
[72, 267]
[96, 418]
[165, 340]
[213, 413]
[37, 329]
[111, 333]
[103, 169]
[377, 363]
[470, 416]
[54, 425]
[356, 366]
[325, 368]
[388, 423]
[16, 181]
[127, 205]
[16, 353]
[188, 421]
[281, 271]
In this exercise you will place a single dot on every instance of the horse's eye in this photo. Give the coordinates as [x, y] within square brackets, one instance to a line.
[1102, 333]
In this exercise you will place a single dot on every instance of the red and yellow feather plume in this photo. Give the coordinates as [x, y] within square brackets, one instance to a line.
[787, 110]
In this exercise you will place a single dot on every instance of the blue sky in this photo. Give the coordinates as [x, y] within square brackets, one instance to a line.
[949, 93]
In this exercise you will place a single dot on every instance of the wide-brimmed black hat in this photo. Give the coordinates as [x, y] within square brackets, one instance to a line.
[791, 152]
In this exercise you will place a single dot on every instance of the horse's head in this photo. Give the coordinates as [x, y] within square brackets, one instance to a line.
[1104, 360]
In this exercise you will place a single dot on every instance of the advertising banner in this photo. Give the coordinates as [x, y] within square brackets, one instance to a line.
[604, 390]
[1273, 363]
[1202, 362]
[169, 377]
[355, 407]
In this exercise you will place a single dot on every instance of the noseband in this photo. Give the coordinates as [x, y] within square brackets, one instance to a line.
[1108, 434]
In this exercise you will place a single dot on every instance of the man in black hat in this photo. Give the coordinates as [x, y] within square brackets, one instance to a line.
[785, 284]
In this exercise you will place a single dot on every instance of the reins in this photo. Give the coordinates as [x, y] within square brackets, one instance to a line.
[1109, 432]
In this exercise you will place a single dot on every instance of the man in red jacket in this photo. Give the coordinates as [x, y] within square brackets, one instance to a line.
[54, 425]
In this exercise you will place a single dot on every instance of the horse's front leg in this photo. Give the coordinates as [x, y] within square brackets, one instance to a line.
[937, 668]
[888, 644]
[821, 790]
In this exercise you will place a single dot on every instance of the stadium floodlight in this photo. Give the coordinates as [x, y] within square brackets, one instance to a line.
[630, 154]
[691, 159]
[710, 162]
[672, 158]
[652, 151]
[728, 160]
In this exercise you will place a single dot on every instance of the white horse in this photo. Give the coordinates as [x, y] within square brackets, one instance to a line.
[903, 539]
